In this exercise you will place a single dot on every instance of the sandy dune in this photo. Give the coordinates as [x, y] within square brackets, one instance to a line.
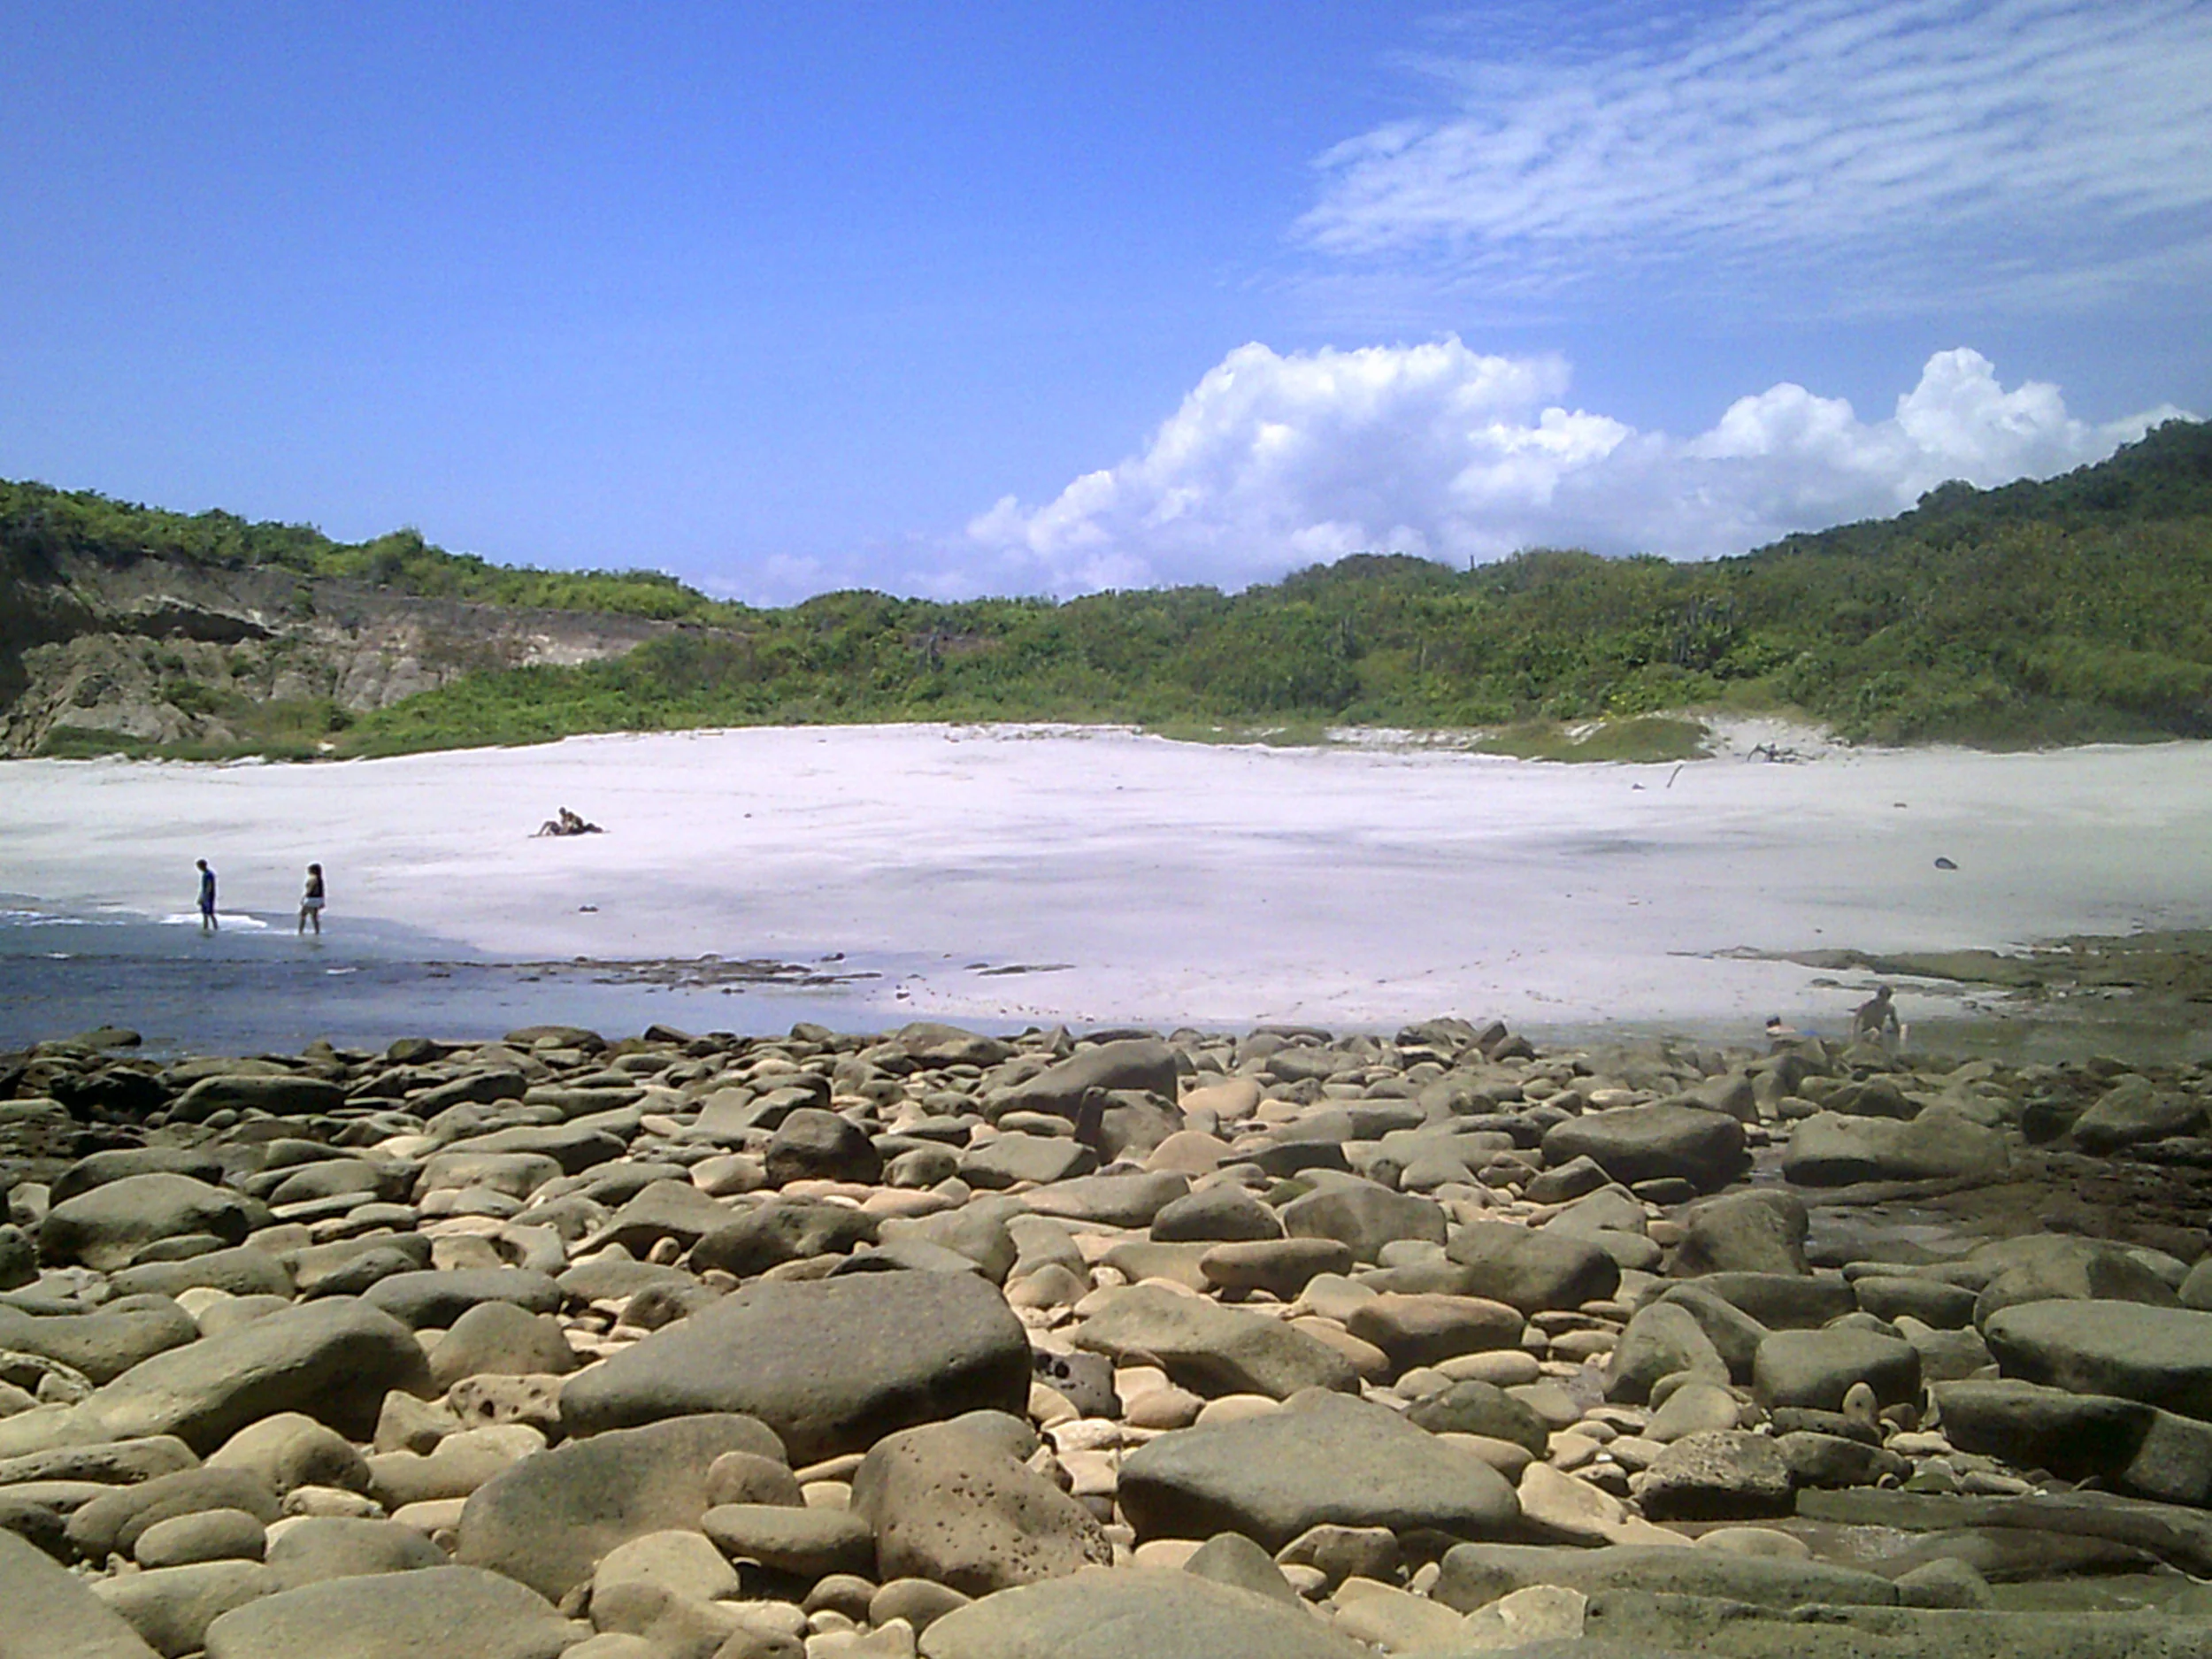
[1176, 881]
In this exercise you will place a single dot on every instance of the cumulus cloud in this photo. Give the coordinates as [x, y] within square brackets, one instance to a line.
[1275, 461]
[1878, 150]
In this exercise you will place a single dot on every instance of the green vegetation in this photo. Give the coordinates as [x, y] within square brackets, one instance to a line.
[36, 521]
[2074, 610]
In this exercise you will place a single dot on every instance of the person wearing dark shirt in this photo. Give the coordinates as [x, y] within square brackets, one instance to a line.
[311, 900]
[208, 923]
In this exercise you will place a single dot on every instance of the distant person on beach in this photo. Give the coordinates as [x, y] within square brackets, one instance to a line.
[1877, 1019]
[208, 923]
[1778, 1031]
[311, 900]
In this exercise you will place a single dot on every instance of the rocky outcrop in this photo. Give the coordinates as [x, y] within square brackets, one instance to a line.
[151, 651]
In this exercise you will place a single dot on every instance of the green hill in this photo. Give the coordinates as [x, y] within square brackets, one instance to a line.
[2075, 608]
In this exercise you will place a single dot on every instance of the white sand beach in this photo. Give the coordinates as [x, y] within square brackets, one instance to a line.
[1165, 880]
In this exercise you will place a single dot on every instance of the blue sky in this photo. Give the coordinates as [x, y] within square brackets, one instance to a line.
[1046, 297]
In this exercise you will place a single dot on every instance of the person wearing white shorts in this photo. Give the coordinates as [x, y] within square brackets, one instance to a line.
[311, 900]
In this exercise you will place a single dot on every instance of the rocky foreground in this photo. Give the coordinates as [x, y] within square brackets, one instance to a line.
[713, 1347]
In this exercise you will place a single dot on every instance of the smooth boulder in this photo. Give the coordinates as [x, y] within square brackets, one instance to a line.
[1323, 1458]
[831, 1366]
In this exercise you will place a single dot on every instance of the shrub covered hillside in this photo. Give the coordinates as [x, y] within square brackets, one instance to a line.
[2075, 608]
[36, 521]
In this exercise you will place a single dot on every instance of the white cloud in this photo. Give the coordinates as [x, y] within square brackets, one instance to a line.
[1276, 461]
[1860, 154]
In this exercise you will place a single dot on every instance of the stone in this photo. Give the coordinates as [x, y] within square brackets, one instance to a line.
[244, 1271]
[457, 1465]
[1220, 1214]
[546, 1520]
[1689, 1409]
[1012, 1159]
[1133, 1614]
[500, 1339]
[680, 1561]
[106, 1227]
[1282, 1267]
[1211, 1349]
[747, 1478]
[1364, 1217]
[1394, 1620]
[1323, 1458]
[48, 1613]
[1778, 1301]
[661, 1210]
[110, 1523]
[446, 1613]
[929, 1043]
[103, 1344]
[1659, 1342]
[783, 1230]
[113, 1463]
[1424, 1330]
[1115, 1201]
[1761, 1232]
[1734, 1333]
[830, 1367]
[1474, 1407]
[115, 1163]
[1476, 1574]
[1529, 1619]
[1932, 1302]
[333, 1360]
[2134, 1111]
[1136, 1062]
[1815, 1368]
[1944, 1582]
[919, 1601]
[1232, 1559]
[311, 1549]
[1836, 1460]
[1533, 1271]
[948, 1503]
[2058, 1266]
[2162, 1357]
[172, 1607]
[19, 1257]
[805, 1543]
[1830, 1150]
[1338, 1553]
[1645, 1143]
[1717, 1475]
[438, 1298]
[286, 1097]
[203, 1535]
[815, 1144]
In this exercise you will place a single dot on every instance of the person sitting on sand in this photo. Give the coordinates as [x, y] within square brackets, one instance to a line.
[1877, 1019]
[208, 923]
[311, 900]
[1778, 1032]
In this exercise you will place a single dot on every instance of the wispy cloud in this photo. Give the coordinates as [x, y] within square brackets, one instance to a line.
[1876, 153]
[1275, 461]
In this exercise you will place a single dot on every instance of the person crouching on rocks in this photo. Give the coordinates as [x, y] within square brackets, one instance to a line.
[1876, 1019]
[311, 900]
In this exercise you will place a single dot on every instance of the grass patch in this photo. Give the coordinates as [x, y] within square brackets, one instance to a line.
[1646, 738]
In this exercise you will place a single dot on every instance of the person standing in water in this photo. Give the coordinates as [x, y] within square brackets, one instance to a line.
[208, 923]
[311, 900]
